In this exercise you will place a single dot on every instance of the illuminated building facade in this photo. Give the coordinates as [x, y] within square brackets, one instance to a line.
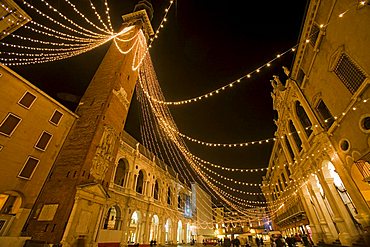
[105, 189]
[33, 127]
[202, 210]
[318, 177]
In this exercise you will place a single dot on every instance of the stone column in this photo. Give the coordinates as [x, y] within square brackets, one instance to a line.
[341, 216]
[129, 181]
[146, 228]
[363, 216]
[126, 178]
[160, 237]
[134, 183]
[317, 234]
[325, 220]
[125, 226]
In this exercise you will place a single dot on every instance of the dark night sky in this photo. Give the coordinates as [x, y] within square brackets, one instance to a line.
[204, 45]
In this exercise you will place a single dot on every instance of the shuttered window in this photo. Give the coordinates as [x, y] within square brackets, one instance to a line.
[349, 73]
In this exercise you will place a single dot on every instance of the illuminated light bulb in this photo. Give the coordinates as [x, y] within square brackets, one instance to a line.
[278, 55]
[341, 15]
[231, 85]
[249, 76]
[164, 19]
[354, 108]
[217, 91]
[268, 65]
[162, 26]
[258, 70]
[238, 80]
[307, 40]
[166, 10]
[364, 101]
[293, 49]
[322, 25]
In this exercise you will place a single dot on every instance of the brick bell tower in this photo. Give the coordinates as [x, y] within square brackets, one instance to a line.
[88, 155]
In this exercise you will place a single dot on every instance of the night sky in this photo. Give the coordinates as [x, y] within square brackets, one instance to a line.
[204, 45]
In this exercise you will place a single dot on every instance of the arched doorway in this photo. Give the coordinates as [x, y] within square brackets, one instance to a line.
[134, 228]
[179, 232]
[154, 228]
[167, 231]
[113, 218]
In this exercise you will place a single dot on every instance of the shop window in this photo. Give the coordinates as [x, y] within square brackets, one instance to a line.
[9, 124]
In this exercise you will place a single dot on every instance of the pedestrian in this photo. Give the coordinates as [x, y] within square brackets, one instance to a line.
[258, 242]
[279, 242]
[261, 241]
[236, 242]
[305, 240]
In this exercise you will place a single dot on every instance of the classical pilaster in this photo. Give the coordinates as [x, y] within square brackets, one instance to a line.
[363, 216]
[317, 234]
[125, 226]
[325, 219]
[342, 219]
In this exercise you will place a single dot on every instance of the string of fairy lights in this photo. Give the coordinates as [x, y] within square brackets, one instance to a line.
[252, 72]
[169, 126]
[73, 35]
[208, 182]
[80, 40]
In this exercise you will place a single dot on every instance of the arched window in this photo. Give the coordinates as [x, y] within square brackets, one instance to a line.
[169, 196]
[156, 190]
[140, 182]
[154, 228]
[167, 231]
[113, 219]
[10, 203]
[179, 202]
[303, 118]
[122, 168]
[297, 139]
